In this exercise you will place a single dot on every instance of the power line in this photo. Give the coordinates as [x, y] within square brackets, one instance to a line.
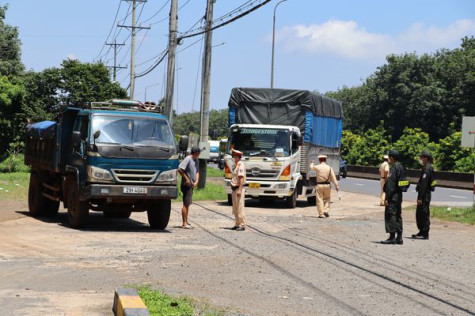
[110, 31]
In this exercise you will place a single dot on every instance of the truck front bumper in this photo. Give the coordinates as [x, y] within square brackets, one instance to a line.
[135, 192]
[266, 188]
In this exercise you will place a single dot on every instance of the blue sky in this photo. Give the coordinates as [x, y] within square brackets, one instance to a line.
[320, 45]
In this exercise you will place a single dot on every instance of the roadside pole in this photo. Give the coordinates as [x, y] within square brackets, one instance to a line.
[171, 61]
[205, 89]
[468, 140]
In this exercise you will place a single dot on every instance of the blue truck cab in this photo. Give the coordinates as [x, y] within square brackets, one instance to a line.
[114, 157]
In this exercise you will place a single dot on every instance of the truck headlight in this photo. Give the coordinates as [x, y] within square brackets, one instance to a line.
[95, 174]
[167, 176]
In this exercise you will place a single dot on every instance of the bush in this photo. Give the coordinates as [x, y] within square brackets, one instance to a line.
[14, 163]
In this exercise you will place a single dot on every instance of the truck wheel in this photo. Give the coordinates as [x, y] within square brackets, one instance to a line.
[36, 201]
[291, 201]
[51, 208]
[78, 211]
[312, 200]
[230, 200]
[159, 214]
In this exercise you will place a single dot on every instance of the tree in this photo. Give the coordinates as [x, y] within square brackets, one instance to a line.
[11, 95]
[450, 152]
[10, 54]
[410, 145]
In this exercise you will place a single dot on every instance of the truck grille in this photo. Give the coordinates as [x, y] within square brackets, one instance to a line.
[255, 173]
[134, 176]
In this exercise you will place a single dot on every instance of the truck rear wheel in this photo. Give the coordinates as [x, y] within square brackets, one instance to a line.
[159, 214]
[36, 201]
[291, 201]
[51, 208]
[312, 200]
[78, 210]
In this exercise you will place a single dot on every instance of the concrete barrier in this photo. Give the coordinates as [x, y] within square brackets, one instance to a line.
[127, 302]
[456, 180]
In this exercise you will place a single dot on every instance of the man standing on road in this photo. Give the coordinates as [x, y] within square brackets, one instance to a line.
[238, 178]
[393, 201]
[424, 188]
[325, 175]
[190, 176]
[383, 177]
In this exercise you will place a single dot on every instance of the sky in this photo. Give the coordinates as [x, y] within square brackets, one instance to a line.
[319, 45]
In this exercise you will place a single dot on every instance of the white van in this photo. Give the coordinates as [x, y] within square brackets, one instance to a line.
[214, 150]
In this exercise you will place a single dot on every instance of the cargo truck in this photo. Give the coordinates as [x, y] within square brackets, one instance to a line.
[280, 132]
[114, 157]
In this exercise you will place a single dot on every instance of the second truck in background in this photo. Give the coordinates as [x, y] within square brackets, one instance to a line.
[280, 132]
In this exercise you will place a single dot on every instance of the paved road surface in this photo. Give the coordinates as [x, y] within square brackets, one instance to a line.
[441, 196]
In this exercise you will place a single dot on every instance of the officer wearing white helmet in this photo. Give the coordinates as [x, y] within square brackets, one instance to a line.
[325, 175]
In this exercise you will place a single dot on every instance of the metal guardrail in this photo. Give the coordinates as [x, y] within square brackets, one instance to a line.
[456, 180]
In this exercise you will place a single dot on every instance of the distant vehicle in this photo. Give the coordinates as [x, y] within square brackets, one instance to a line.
[214, 150]
[343, 168]
[279, 132]
[114, 157]
[222, 150]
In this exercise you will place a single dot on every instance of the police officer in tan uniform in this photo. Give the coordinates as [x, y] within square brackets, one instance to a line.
[383, 177]
[325, 175]
[238, 178]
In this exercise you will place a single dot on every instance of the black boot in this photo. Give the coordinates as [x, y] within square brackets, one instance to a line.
[419, 234]
[399, 240]
[425, 235]
[390, 241]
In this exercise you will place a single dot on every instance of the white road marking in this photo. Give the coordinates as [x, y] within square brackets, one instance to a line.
[458, 196]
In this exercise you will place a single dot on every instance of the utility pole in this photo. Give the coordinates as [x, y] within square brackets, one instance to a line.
[171, 61]
[205, 88]
[115, 67]
[132, 48]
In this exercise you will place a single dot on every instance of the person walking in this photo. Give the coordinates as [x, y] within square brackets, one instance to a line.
[189, 171]
[383, 177]
[238, 178]
[424, 187]
[325, 175]
[393, 201]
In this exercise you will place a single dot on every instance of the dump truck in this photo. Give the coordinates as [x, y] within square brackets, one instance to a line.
[280, 131]
[115, 157]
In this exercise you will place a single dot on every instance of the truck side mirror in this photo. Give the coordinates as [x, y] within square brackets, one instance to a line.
[76, 139]
[183, 143]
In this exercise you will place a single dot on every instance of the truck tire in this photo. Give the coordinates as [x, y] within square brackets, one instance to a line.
[78, 210]
[291, 201]
[36, 201]
[159, 214]
[312, 200]
[230, 200]
[119, 214]
[51, 208]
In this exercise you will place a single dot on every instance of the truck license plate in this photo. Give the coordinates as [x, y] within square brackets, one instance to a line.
[135, 190]
[254, 185]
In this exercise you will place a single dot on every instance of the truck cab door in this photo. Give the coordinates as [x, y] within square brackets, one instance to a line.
[79, 139]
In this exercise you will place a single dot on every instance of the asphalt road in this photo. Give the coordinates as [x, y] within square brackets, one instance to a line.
[441, 196]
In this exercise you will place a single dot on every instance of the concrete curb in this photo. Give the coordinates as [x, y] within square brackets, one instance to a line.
[127, 302]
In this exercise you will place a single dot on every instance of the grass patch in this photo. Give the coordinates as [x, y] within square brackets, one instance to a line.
[214, 172]
[454, 214]
[211, 191]
[159, 303]
[14, 186]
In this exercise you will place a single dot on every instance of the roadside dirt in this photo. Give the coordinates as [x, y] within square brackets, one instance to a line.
[288, 262]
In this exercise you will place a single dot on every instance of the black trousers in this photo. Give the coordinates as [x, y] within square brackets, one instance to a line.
[423, 217]
[393, 218]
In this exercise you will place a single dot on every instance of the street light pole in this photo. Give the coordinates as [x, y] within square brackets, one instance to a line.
[273, 40]
[156, 84]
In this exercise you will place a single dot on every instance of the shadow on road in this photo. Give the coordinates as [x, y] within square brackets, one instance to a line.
[97, 222]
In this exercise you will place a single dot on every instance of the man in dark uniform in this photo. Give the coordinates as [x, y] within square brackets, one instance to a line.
[392, 212]
[424, 188]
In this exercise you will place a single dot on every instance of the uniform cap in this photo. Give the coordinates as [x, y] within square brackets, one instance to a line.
[237, 153]
[394, 154]
[385, 157]
[322, 157]
[426, 153]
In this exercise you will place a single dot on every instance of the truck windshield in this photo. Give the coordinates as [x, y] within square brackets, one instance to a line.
[265, 142]
[132, 131]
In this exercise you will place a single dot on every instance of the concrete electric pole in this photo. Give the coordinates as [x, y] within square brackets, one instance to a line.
[205, 88]
[172, 42]
[115, 67]
[133, 29]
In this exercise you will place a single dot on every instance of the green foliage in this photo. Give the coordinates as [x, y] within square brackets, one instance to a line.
[367, 149]
[466, 164]
[13, 163]
[410, 145]
[11, 114]
[10, 48]
[187, 123]
[450, 152]
[454, 214]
